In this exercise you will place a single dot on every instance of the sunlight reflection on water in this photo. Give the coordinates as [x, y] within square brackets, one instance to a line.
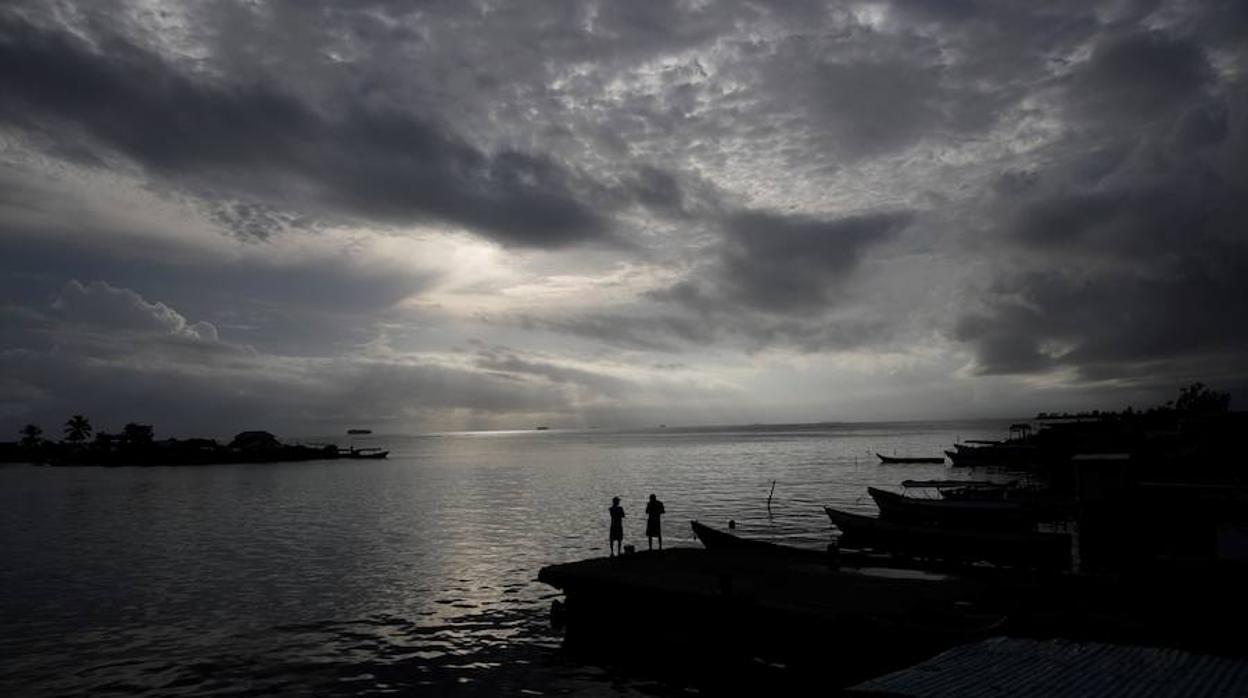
[354, 578]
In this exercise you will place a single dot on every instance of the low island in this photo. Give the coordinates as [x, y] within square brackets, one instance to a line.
[136, 445]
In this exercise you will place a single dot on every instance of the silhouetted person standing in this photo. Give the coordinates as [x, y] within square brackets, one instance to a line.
[616, 538]
[654, 527]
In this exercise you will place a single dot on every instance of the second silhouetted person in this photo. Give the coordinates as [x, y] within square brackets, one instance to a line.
[654, 525]
[616, 537]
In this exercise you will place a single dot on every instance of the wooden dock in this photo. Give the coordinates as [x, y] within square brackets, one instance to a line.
[801, 613]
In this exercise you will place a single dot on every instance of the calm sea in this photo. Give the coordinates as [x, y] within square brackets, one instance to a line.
[414, 574]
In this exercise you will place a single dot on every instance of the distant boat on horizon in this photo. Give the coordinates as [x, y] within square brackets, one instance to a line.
[359, 432]
[907, 459]
[543, 428]
[363, 453]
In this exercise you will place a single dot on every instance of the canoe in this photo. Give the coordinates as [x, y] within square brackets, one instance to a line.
[1002, 454]
[364, 454]
[891, 460]
[958, 484]
[967, 513]
[1011, 548]
[718, 541]
[980, 455]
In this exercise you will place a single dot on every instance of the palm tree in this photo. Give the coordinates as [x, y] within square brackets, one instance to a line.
[31, 435]
[1198, 398]
[137, 434]
[77, 429]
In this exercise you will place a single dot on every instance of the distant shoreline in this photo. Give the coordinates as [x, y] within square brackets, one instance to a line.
[138, 448]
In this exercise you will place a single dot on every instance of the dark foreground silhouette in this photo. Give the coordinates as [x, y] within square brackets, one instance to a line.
[1125, 533]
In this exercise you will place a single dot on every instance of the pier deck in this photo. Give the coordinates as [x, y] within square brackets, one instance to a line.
[795, 612]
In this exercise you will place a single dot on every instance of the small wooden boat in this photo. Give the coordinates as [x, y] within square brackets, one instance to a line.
[967, 513]
[1012, 548]
[958, 484]
[1032, 495]
[718, 541]
[891, 460]
[363, 453]
[1005, 453]
[972, 456]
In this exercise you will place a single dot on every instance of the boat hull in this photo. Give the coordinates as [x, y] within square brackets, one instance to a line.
[1005, 455]
[720, 542]
[1010, 548]
[965, 513]
[898, 460]
[364, 455]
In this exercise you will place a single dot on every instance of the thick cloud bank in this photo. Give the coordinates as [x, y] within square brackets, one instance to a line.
[443, 215]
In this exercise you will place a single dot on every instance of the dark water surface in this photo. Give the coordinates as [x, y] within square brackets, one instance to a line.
[410, 575]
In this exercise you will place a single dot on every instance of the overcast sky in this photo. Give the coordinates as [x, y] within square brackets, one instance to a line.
[307, 215]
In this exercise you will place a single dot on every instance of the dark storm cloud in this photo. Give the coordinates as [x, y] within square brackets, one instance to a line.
[1112, 324]
[792, 264]
[768, 279]
[252, 221]
[99, 324]
[1139, 76]
[302, 306]
[664, 332]
[693, 331]
[1128, 259]
[859, 106]
[256, 140]
[99, 305]
[846, 88]
[1124, 278]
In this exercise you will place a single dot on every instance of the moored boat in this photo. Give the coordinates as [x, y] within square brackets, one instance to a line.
[354, 453]
[718, 541]
[958, 484]
[1001, 454]
[1013, 548]
[363, 453]
[969, 513]
[1021, 450]
[891, 460]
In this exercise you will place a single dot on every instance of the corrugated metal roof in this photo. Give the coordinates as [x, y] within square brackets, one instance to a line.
[1004, 666]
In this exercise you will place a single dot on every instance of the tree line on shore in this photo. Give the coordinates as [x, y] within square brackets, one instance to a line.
[81, 444]
[1194, 400]
[78, 432]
